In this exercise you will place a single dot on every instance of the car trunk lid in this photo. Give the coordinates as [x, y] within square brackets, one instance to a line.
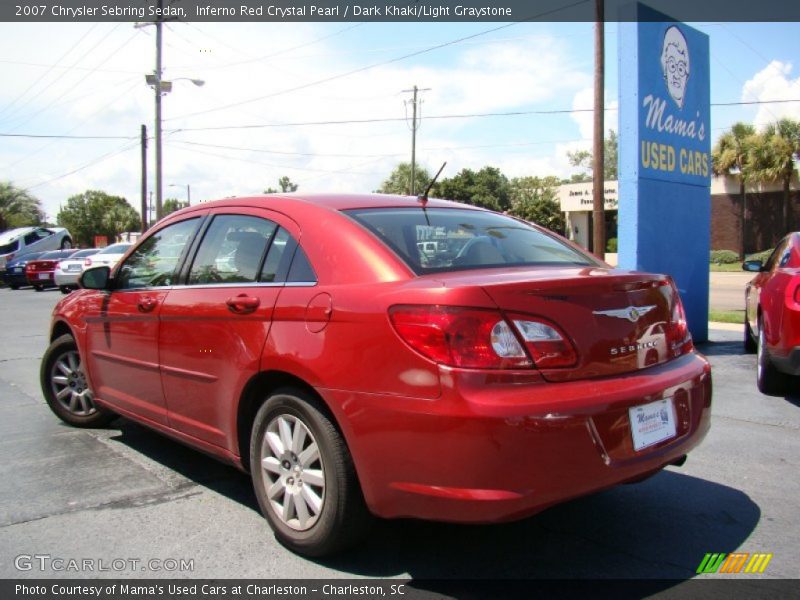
[617, 321]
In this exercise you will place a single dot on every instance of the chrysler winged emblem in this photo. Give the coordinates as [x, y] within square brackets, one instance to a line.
[632, 313]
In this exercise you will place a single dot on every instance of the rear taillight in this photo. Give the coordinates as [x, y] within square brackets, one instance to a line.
[678, 335]
[460, 337]
[548, 345]
[87, 262]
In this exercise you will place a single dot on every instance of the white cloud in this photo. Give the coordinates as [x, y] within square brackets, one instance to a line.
[774, 82]
[111, 98]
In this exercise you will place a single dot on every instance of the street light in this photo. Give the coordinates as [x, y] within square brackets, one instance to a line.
[161, 88]
[188, 192]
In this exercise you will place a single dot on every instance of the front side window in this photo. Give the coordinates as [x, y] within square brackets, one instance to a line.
[232, 250]
[445, 239]
[154, 262]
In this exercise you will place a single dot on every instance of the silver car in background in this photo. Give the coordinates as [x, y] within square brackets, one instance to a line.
[68, 270]
[24, 240]
[108, 256]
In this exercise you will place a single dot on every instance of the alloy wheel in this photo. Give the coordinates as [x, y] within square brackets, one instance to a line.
[294, 474]
[69, 385]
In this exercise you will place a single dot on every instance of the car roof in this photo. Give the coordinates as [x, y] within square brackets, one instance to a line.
[12, 234]
[334, 202]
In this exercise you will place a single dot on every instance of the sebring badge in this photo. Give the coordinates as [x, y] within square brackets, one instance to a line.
[632, 313]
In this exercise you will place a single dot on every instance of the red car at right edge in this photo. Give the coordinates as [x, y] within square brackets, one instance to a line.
[772, 317]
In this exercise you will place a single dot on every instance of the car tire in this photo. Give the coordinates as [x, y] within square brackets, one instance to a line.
[307, 489]
[13, 286]
[64, 289]
[38, 288]
[770, 381]
[65, 387]
[750, 343]
[66, 244]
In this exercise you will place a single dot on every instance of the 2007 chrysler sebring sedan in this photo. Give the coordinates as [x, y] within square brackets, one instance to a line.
[354, 369]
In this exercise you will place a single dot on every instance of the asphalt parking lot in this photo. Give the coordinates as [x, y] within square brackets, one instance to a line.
[126, 493]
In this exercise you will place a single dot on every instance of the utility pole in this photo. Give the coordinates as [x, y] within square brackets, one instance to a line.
[414, 127]
[145, 215]
[598, 168]
[157, 87]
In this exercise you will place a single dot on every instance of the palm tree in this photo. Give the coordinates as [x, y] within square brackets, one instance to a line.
[772, 158]
[729, 156]
[17, 207]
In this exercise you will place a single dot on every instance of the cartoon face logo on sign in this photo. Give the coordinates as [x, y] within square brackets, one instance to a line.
[675, 64]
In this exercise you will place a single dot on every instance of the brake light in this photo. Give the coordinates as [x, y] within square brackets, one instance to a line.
[546, 343]
[678, 335]
[87, 262]
[460, 337]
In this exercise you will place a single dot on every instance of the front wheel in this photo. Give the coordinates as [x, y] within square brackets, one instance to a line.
[770, 381]
[65, 387]
[303, 476]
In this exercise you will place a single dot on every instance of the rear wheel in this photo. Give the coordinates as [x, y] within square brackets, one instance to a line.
[304, 477]
[66, 244]
[13, 286]
[38, 288]
[64, 289]
[770, 381]
[65, 387]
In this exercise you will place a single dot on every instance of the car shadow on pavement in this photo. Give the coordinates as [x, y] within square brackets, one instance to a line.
[660, 529]
[722, 348]
[187, 462]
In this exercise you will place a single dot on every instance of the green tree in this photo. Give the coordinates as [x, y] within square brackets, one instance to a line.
[285, 184]
[772, 158]
[488, 188]
[584, 158]
[399, 181]
[18, 208]
[96, 213]
[535, 199]
[171, 205]
[730, 157]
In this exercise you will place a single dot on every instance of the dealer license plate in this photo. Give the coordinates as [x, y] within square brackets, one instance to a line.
[652, 423]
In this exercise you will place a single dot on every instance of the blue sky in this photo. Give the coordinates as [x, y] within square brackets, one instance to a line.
[88, 79]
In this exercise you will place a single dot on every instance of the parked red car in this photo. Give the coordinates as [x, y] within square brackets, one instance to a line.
[772, 321]
[40, 272]
[318, 343]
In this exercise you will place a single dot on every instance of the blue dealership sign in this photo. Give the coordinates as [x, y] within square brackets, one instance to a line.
[675, 139]
[665, 156]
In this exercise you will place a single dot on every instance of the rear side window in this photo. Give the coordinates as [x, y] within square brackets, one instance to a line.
[9, 248]
[444, 239]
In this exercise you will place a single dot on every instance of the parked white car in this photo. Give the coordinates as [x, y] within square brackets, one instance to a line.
[108, 256]
[24, 240]
[68, 270]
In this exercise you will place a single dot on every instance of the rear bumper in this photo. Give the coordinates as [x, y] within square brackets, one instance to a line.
[69, 279]
[44, 282]
[491, 449]
[11, 278]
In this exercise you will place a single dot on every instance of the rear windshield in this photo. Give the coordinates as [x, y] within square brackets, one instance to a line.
[446, 239]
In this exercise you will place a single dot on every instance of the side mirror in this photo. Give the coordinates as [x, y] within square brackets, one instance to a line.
[96, 278]
[756, 266]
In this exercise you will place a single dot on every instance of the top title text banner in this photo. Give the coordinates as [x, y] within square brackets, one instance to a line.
[388, 10]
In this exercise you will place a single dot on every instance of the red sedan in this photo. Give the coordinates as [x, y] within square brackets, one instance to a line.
[772, 321]
[354, 369]
[40, 272]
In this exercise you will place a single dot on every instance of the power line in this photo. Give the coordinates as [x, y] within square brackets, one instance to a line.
[560, 111]
[69, 137]
[92, 163]
[374, 65]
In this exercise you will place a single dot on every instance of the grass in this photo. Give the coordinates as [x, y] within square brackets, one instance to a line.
[726, 316]
[726, 268]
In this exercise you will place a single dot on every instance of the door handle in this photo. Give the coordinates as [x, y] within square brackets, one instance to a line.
[242, 304]
[147, 303]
